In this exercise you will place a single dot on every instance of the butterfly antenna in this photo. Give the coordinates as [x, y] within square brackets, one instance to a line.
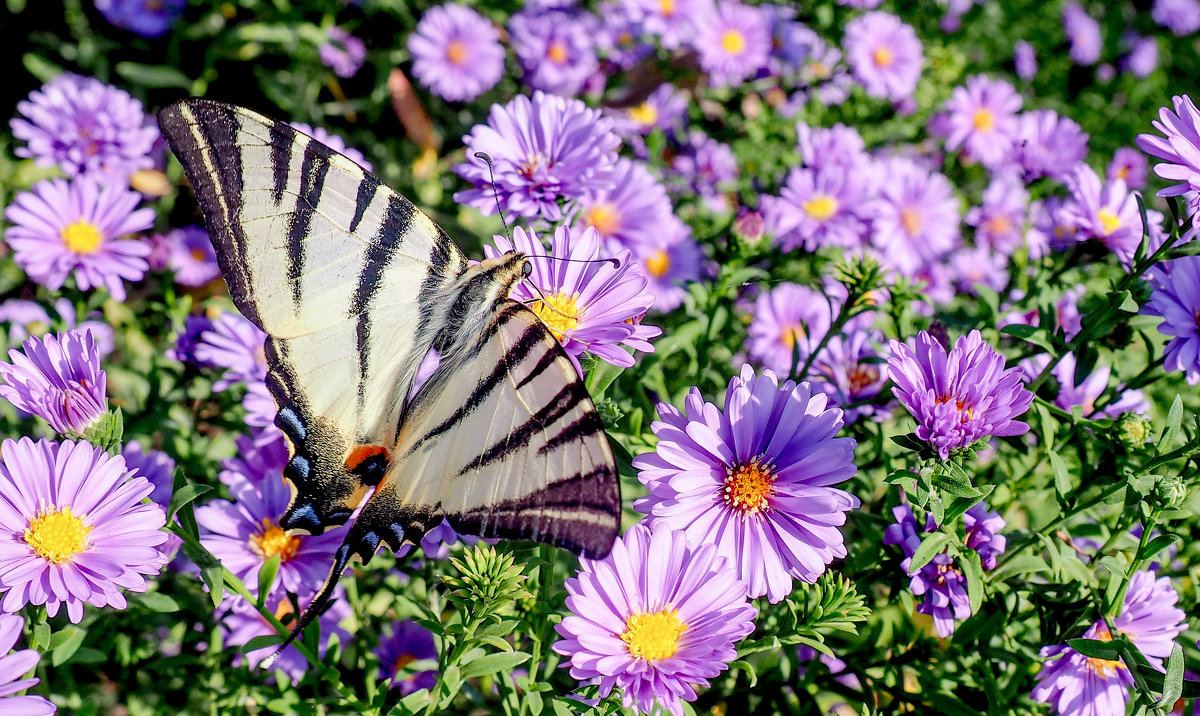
[495, 192]
[315, 607]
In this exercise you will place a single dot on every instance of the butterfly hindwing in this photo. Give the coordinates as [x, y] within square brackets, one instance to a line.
[342, 274]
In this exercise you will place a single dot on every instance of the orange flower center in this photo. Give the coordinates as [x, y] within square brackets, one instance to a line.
[456, 52]
[657, 263]
[274, 541]
[605, 217]
[557, 52]
[882, 57]
[910, 219]
[985, 120]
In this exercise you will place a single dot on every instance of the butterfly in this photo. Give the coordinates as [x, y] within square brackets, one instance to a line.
[354, 286]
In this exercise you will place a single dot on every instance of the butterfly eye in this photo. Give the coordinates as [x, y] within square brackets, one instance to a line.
[527, 269]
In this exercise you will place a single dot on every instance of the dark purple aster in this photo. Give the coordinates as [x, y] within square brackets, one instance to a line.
[58, 379]
[1181, 17]
[236, 345]
[620, 39]
[1025, 60]
[734, 43]
[850, 370]
[1048, 145]
[1130, 166]
[187, 341]
[556, 49]
[403, 643]
[885, 55]
[981, 118]
[342, 52]
[456, 52]
[546, 149]
[84, 126]
[1179, 148]
[983, 534]
[1000, 222]
[820, 207]
[960, 396]
[13, 667]
[192, 256]
[1084, 33]
[755, 480]
[1176, 299]
[939, 582]
[148, 18]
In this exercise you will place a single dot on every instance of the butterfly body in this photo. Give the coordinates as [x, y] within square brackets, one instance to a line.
[354, 287]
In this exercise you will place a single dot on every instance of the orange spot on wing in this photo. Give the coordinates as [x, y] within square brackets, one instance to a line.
[362, 452]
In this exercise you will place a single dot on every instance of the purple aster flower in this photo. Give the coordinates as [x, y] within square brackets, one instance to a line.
[861, 5]
[456, 52]
[342, 52]
[823, 146]
[1090, 389]
[634, 210]
[555, 49]
[245, 533]
[789, 322]
[656, 618]
[755, 480]
[1025, 60]
[254, 462]
[84, 126]
[1130, 166]
[820, 207]
[1181, 17]
[1074, 684]
[1084, 33]
[620, 39]
[1179, 148]
[709, 168]
[1106, 212]
[58, 379]
[334, 142]
[154, 465]
[939, 583]
[959, 397]
[192, 256]
[148, 18]
[245, 623]
[850, 371]
[403, 643]
[1142, 58]
[734, 43]
[675, 22]
[915, 215]
[979, 266]
[73, 527]
[438, 540]
[885, 55]
[26, 318]
[1176, 299]
[260, 406]
[670, 261]
[13, 666]
[188, 340]
[981, 118]
[821, 69]
[589, 306]
[237, 345]
[1048, 145]
[1053, 223]
[544, 150]
[62, 229]
[1000, 221]
[983, 534]
[665, 109]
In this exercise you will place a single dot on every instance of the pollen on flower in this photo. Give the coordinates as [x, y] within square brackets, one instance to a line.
[456, 52]
[999, 224]
[605, 217]
[559, 312]
[910, 219]
[882, 57]
[657, 263]
[821, 207]
[790, 334]
[653, 636]
[1109, 220]
[964, 409]
[557, 52]
[666, 7]
[273, 540]
[57, 536]
[985, 120]
[644, 114]
[862, 375]
[749, 487]
[82, 237]
[733, 42]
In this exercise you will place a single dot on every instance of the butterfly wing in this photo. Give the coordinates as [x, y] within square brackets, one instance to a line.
[342, 274]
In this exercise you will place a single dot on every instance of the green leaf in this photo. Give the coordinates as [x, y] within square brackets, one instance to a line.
[930, 547]
[261, 642]
[600, 375]
[1035, 335]
[41, 636]
[1021, 564]
[1173, 682]
[266, 578]
[183, 496]
[153, 76]
[1062, 478]
[1128, 304]
[973, 570]
[158, 602]
[1096, 649]
[65, 643]
[494, 663]
[1174, 419]
[214, 577]
[1158, 544]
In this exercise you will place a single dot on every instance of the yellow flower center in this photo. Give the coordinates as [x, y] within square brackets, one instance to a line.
[748, 488]
[274, 541]
[1104, 668]
[657, 263]
[559, 312]
[1123, 173]
[667, 7]
[985, 120]
[653, 636]
[557, 52]
[644, 114]
[790, 334]
[910, 219]
[733, 42]
[82, 237]
[57, 536]
[1110, 221]
[821, 207]
[456, 52]
[882, 57]
[605, 217]
[818, 70]
[998, 225]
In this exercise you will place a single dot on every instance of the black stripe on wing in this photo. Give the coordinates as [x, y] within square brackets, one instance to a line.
[313, 168]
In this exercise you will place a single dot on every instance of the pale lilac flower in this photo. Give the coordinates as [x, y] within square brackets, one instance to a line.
[1025, 60]
[1179, 148]
[670, 261]
[589, 306]
[58, 379]
[734, 43]
[342, 52]
[665, 109]
[26, 318]
[709, 169]
[675, 22]
[981, 118]
[657, 618]
[148, 18]
[916, 219]
[84, 126]
[193, 258]
[73, 527]
[238, 346]
[403, 643]
[1176, 299]
[789, 322]
[635, 210]
[960, 396]
[244, 623]
[1130, 166]
[820, 207]
[620, 39]
[1048, 145]
[754, 480]
[1084, 33]
[885, 55]
[76, 229]
[823, 146]
[14, 666]
[334, 142]
[1107, 212]
[940, 583]
[1142, 58]
[1181, 17]
[544, 150]
[1000, 222]
[1089, 390]
[556, 50]
[456, 52]
[979, 266]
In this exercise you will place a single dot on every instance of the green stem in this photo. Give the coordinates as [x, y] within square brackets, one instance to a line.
[1046, 530]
